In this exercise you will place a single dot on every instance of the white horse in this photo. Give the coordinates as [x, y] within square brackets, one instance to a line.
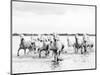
[41, 45]
[57, 47]
[78, 45]
[87, 42]
[25, 45]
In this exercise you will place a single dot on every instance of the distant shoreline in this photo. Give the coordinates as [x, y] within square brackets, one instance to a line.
[26, 34]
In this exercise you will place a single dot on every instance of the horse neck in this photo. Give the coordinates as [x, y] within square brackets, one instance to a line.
[22, 40]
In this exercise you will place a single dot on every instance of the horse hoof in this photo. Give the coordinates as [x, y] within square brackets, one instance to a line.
[60, 59]
[17, 55]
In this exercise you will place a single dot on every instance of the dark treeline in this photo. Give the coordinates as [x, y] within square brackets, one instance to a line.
[62, 34]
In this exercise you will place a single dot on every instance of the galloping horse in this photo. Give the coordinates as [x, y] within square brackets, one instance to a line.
[44, 47]
[87, 43]
[41, 44]
[25, 45]
[77, 46]
[56, 46]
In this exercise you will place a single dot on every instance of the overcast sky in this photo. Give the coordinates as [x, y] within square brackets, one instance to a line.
[48, 18]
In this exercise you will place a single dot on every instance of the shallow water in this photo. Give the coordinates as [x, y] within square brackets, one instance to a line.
[32, 63]
[24, 64]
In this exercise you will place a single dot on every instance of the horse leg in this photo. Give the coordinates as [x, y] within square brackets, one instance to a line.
[39, 53]
[85, 49]
[35, 50]
[30, 50]
[58, 52]
[18, 52]
[24, 51]
[82, 50]
[46, 53]
[76, 49]
[55, 57]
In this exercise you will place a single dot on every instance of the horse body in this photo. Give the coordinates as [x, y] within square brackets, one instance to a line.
[41, 45]
[56, 46]
[78, 44]
[25, 45]
[88, 44]
[48, 45]
[83, 45]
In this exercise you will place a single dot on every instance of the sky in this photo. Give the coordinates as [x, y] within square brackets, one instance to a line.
[49, 18]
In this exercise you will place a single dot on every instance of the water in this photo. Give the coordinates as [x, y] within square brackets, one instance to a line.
[31, 63]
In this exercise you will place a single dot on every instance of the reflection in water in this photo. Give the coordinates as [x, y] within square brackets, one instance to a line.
[47, 64]
[55, 66]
